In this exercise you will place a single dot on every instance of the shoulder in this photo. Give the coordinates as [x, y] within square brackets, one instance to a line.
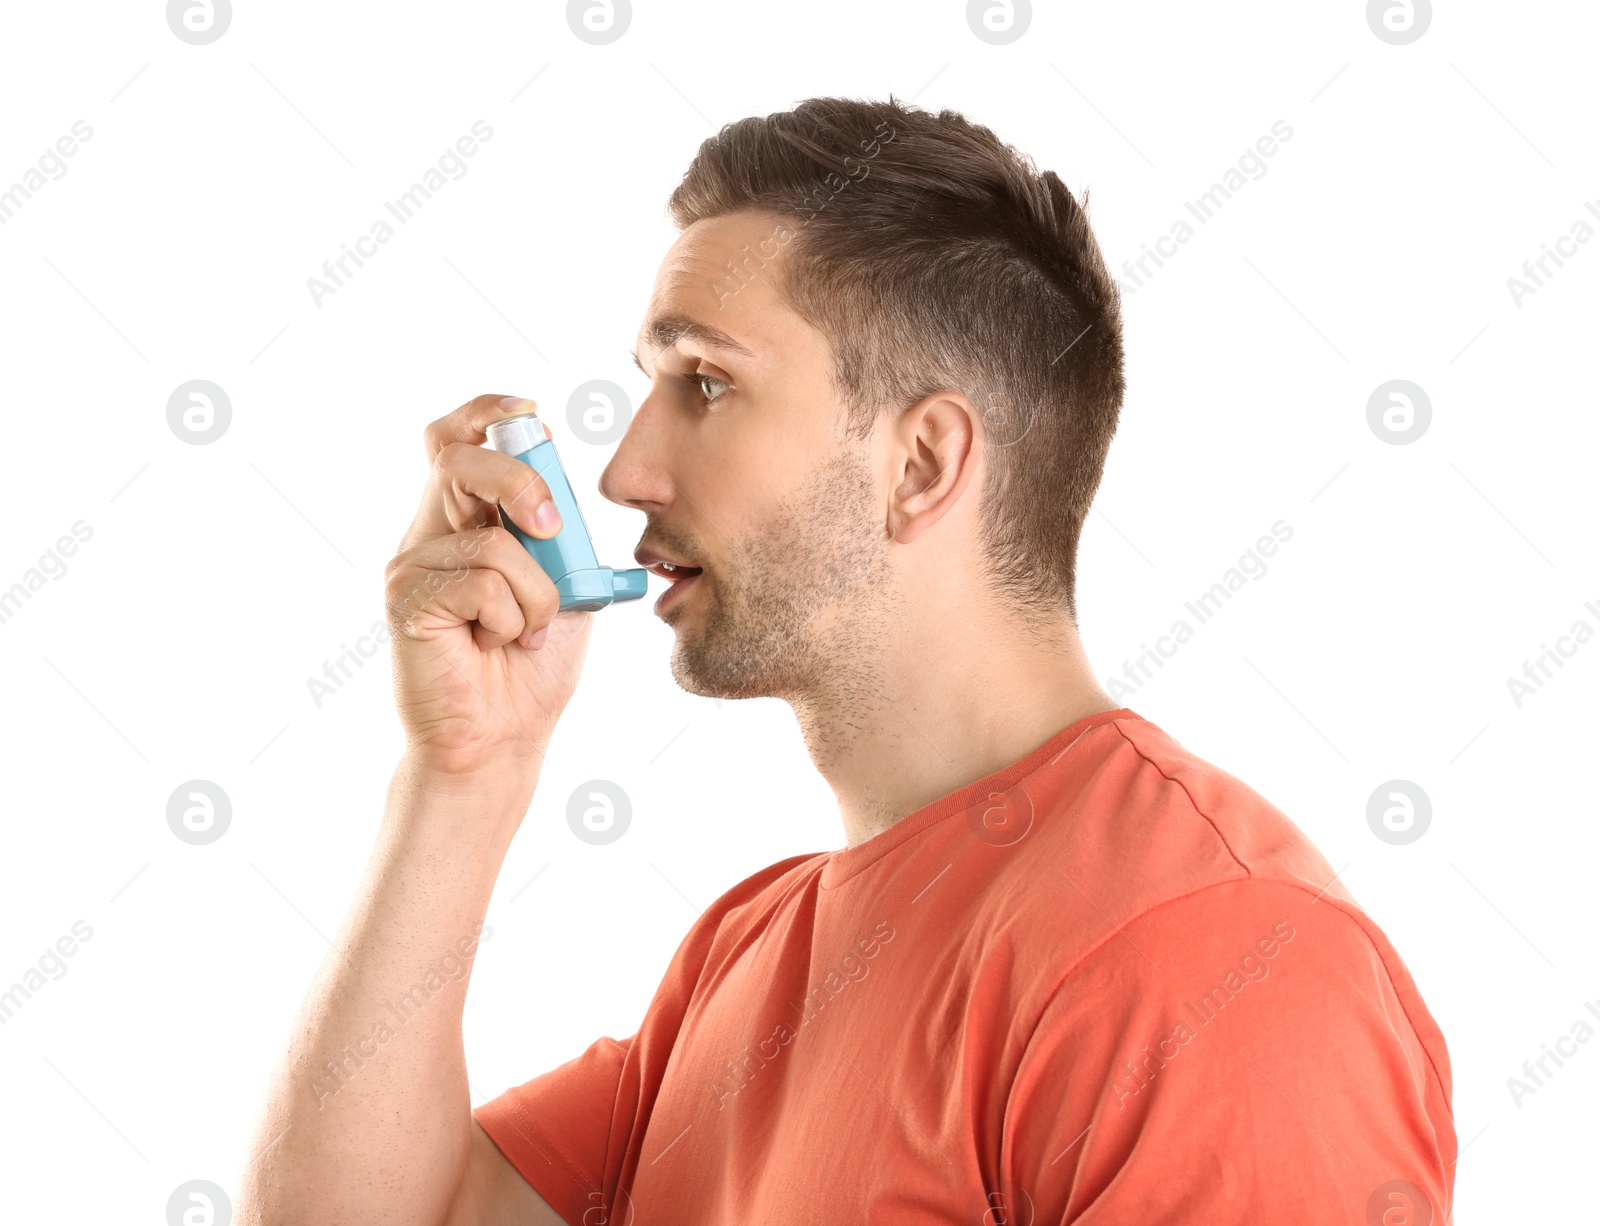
[1260, 918]
[1246, 927]
[1136, 821]
[1158, 878]
[1255, 965]
[1255, 833]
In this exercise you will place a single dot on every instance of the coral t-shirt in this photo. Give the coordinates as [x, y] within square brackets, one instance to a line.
[1107, 984]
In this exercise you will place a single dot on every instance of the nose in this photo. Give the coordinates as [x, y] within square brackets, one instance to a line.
[636, 475]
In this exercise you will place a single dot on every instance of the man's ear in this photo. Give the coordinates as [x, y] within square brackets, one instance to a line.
[936, 448]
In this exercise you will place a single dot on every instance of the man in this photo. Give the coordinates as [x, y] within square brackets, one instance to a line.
[1061, 971]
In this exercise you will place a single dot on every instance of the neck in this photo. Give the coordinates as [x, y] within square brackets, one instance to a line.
[894, 734]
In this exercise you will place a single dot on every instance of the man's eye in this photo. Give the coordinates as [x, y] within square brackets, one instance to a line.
[700, 382]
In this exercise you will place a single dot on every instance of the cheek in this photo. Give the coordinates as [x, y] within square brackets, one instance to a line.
[756, 459]
[738, 468]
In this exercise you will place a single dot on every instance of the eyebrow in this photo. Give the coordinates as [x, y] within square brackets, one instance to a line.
[666, 330]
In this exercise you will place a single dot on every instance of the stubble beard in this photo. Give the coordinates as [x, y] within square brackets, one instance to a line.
[796, 610]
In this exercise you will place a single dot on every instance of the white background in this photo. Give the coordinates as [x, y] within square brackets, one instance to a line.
[178, 643]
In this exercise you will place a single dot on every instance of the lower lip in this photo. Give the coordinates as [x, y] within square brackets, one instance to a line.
[673, 594]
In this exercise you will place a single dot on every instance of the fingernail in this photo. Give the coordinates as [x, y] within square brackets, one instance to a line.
[547, 518]
[516, 404]
[538, 638]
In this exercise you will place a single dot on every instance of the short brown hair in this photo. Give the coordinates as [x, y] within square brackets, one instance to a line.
[933, 256]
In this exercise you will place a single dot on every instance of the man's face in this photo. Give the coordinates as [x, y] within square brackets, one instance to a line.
[737, 460]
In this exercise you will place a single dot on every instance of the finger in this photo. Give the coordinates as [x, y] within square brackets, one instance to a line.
[468, 425]
[474, 481]
[484, 600]
[424, 581]
[470, 422]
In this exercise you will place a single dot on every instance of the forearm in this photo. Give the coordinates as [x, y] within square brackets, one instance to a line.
[368, 1117]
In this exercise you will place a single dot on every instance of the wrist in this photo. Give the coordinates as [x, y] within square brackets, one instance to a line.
[476, 766]
[504, 782]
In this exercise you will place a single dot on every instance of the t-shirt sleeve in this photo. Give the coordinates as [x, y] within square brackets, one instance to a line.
[554, 1129]
[1248, 1053]
[567, 1130]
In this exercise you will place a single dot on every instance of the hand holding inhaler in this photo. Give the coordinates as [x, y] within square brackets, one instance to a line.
[485, 607]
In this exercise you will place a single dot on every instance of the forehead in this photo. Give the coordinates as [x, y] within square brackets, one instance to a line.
[717, 287]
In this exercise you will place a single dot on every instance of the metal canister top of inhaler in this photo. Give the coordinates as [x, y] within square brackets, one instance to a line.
[568, 557]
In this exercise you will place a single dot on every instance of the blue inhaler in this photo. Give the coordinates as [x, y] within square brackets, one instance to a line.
[568, 556]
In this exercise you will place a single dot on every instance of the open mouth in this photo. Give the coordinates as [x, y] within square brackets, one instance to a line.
[671, 573]
[681, 578]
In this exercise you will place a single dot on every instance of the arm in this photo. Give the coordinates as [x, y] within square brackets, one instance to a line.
[368, 1117]
[495, 1194]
